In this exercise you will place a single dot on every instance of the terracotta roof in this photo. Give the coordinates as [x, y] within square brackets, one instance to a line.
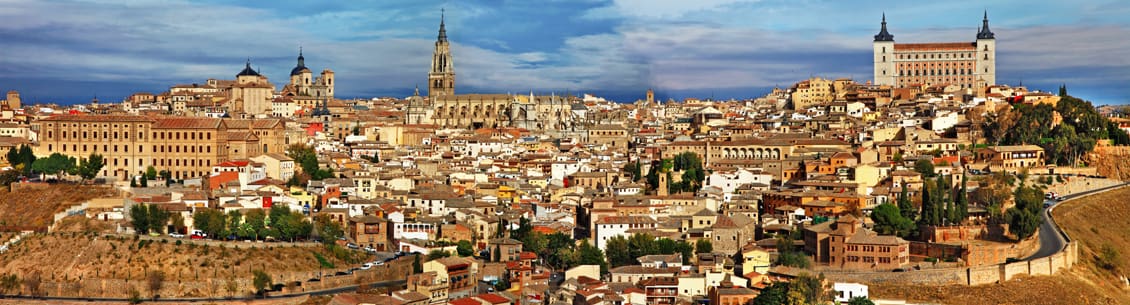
[964, 46]
[97, 118]
[493, 298]
[187, 123]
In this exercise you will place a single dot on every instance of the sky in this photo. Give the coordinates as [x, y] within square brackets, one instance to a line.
[73, 51]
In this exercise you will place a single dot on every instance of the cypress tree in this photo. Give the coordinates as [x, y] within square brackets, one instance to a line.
[905, 207]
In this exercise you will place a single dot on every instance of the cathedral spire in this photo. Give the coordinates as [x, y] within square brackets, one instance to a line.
[883, 34]
[985, 33]
[442, 28]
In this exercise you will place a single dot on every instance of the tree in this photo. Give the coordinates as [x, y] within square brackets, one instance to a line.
[619, 252]
[210, 221]
[588, 254]
[158, 218]
[56, 164]
[21, 158]
[924, 167]
[437, 254]
[150, 173]
[260, 280]
[417, 266]
[177, 221]
[327, 229]
[889, 221]
[155, 279]
[9, 282]
[89, 168]
[906, 208]
[139, 218]
[859, 301]
[1024, 217]
[961, 201]
[256, 220]
[464, 248]
[1108, 257]
[703, 246]
[773, 295]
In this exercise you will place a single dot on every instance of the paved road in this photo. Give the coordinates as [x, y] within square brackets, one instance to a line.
[1051, 239]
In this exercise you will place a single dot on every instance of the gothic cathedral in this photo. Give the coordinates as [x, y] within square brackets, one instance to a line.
[441, 79]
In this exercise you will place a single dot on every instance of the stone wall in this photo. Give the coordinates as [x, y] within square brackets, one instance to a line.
[954, 233]
[982, 275]
[976, 275]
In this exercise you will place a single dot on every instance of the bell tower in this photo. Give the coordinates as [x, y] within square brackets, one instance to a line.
[441, 78]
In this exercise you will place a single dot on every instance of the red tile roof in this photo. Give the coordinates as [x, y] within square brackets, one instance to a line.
[215, 182]
[464, 301]
[493, 298]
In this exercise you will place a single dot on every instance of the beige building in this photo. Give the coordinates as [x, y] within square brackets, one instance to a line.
[1011, 158]
[278, 165]
[251, 94]
[813, 91]
[186, 147]
[846, 244]
[970, 65]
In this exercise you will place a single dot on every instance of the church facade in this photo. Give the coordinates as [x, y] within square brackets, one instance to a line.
[970, 65]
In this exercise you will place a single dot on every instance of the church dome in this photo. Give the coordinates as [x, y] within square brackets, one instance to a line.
[299, 70]
[247, 70]
[301, 67]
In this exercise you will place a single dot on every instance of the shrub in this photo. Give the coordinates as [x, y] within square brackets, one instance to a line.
[1108, 257]
[178, 243]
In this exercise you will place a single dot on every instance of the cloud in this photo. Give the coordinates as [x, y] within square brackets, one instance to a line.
[619, 47]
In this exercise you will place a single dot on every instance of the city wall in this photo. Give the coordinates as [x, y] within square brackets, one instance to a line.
[976, 275]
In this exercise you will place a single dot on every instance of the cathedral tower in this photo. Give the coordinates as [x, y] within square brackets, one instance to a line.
[441, 78]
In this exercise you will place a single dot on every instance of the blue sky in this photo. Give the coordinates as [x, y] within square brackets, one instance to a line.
[72, 51]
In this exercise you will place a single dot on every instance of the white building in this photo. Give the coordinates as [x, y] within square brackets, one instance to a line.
[847, 291]
[731, 180]
[611, 226]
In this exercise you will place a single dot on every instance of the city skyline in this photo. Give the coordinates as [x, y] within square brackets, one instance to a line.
[62, 51]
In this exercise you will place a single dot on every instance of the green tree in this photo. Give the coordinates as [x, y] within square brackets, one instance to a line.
[210, 221]
[417, 266]
[776, 294]
[158, 218]
[1024, 217]
[150, 173]
[703, 246]
[889, 221]
[89, 167]
[859, 301]
[961, 200]
[327, 229]
[588, 254]
[924, 167]
[640, 244]
[619, 252]
[261, 280]
[139, 218]
[906, 208]
[177, 221]
[256, 219]
[56, 164]
[437, 254]
[464, 248]
[21, 158]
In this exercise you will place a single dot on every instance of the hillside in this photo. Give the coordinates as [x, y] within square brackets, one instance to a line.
[34, 205]
[192, 270]
[1093, 221]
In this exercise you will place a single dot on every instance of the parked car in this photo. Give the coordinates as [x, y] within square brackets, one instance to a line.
[154, 234]
[378, 263]
[176, 235]
[352, 246]
[197, 236]
[367, 266]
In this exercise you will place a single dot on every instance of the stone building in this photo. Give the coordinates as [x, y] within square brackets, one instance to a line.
[846, 244]
[970, 65]
[186, 147]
